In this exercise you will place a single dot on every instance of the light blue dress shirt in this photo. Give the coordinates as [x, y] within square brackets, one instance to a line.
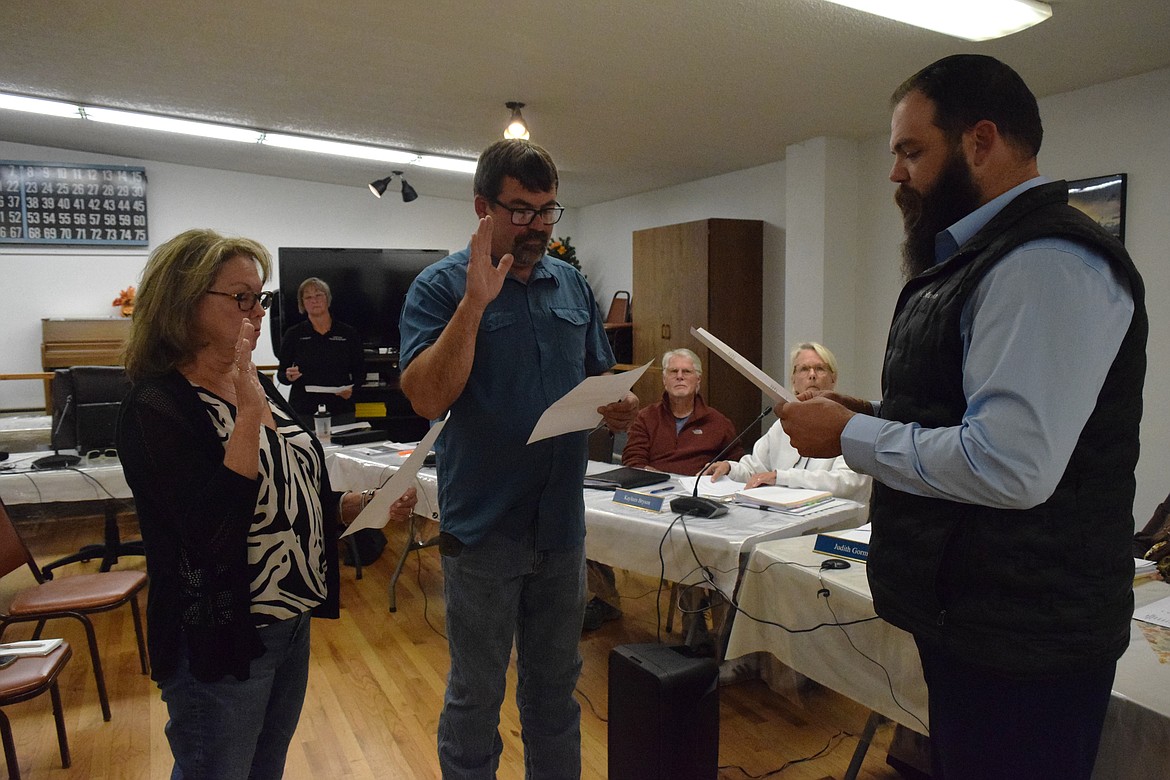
[1040, 333]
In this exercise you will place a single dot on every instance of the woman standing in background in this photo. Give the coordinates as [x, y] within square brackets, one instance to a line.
[322, 352]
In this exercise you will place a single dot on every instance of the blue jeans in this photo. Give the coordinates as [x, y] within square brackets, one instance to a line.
[497, 590]
[233, 730]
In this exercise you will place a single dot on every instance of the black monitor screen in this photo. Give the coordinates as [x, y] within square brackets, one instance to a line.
[368, 287]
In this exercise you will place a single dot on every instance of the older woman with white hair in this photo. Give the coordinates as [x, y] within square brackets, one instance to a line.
[774, 461]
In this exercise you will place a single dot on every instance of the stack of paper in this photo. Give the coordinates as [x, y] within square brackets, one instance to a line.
[1143, 568]
[31, 647]
[776, 497]
[721, 488]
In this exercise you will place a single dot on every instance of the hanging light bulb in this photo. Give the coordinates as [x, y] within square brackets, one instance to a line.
[517, 127]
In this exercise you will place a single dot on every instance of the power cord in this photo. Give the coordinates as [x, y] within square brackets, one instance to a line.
[886, 672]
[833, 743]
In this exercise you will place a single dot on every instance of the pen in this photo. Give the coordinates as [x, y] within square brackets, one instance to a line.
[666, 489]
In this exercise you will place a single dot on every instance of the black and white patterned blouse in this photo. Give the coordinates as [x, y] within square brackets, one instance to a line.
[286, 543]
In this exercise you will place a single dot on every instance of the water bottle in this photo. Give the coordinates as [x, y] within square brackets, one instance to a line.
[323, 424]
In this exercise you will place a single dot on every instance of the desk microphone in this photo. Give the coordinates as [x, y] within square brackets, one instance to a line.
[57, 460]
[705, 507]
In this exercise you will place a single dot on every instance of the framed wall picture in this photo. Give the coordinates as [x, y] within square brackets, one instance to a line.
[1103, 199]
[66, 204]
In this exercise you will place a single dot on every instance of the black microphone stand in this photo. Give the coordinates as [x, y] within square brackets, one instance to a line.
[57, 460]
[694, 504]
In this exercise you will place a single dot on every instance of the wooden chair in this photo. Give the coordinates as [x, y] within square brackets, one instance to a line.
[74, 597]
[619, 327]
[26, 679]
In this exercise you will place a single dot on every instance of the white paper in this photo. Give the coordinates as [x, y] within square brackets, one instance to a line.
[1157, 613]
[354, 426]
[576, 410]
[376, 513]
[773, 389]
[327, 388]
[30, 647]
[719, 489]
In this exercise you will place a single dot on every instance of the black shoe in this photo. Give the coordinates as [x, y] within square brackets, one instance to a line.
[598, 612]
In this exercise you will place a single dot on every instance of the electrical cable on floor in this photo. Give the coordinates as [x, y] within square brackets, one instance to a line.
[589, 701]
[826, 750]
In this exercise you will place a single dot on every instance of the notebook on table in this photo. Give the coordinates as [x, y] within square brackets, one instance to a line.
[625, 477]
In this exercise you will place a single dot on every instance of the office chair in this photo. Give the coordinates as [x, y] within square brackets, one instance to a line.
[26, 679]
[86, 400]
[74, 597]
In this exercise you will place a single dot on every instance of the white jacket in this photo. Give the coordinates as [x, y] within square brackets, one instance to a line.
[774, 452]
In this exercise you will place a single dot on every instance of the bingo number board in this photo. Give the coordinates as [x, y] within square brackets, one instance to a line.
[69, 204]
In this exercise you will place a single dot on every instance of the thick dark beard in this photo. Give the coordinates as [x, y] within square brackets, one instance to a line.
[924, 215]
[524, 257]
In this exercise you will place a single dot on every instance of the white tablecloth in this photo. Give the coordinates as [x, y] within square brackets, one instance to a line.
[623, 536]
[631, 538]
[781, 584]
[90, 480]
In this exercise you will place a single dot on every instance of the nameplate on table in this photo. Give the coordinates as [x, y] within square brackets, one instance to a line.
[852, 544]
[641, 500]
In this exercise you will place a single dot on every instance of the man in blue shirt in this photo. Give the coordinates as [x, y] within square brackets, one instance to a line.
[493, 335]
[1004, 446]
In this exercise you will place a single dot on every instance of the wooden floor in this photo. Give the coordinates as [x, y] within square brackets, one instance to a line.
[376, 687]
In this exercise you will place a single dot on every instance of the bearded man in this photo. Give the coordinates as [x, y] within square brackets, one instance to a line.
[1004, 446]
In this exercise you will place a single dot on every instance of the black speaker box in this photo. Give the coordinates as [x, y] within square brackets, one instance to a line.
[663, 714]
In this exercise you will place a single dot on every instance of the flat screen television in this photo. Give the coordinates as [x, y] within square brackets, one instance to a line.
[368, 286]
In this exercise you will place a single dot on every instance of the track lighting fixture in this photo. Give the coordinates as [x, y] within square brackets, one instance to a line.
[378, 187]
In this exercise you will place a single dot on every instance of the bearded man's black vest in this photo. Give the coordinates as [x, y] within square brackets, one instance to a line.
[1031, 592]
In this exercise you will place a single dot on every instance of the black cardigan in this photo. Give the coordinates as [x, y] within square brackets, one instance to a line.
[195, 514]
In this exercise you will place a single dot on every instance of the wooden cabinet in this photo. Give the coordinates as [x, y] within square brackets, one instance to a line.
[706, 274]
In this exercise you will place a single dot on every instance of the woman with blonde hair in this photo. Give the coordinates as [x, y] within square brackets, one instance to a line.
[239, 521]
[774, 461]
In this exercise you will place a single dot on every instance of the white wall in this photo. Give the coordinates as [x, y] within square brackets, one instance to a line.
[82, 282]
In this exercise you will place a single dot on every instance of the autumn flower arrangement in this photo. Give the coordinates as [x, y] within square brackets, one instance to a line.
[125, 299]
[562, 249]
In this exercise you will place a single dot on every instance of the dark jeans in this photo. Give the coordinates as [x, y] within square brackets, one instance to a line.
[231, 730]
[985, 726]
[499, 593]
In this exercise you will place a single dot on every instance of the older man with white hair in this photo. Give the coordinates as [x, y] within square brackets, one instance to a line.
[679, 434]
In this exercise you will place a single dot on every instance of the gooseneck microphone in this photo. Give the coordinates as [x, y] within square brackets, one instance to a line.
[57, 460]
[698, 506]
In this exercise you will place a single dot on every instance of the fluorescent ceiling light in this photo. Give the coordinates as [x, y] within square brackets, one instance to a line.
[39, 106]
[339, 148]
[170, 125]
[232, 133]
[973, 20]
[446, 163]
